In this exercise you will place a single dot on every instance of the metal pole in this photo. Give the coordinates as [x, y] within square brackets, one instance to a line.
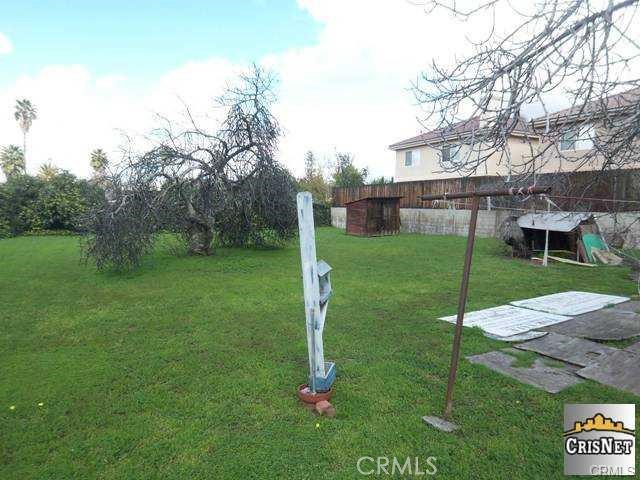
[462, 300]
[487, 193]
[545, 259]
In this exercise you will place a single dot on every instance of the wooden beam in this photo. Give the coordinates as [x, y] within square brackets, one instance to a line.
[571, 262]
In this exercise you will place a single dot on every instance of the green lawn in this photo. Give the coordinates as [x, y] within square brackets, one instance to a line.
[189, 367]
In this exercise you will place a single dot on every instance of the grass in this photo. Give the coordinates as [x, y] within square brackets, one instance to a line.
[188, 367]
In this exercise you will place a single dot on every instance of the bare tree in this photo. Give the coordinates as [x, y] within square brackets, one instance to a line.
[199, 183]
[585, 49]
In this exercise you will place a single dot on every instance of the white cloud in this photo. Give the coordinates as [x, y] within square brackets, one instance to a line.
[75, 113]
[6, 47]
[349, 91]
[194, 84]
[78, 112]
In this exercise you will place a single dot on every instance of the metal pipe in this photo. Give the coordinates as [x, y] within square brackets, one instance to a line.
[545, 258]
[464, 286]
[462, 300]
[487, 193]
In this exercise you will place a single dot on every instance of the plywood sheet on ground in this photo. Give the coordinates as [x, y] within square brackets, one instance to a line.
[518, 337]
[568, 349]
[605, 324]
[634, 347]
[507, 320]
[570, 303]
[539, 375]
[620, 370]
[631, 306]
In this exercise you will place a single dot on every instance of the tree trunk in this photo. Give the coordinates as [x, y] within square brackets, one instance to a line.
[199, 233]
[199, 238]
[24, 150]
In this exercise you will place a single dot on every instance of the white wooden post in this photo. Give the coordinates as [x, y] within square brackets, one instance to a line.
[310, 281]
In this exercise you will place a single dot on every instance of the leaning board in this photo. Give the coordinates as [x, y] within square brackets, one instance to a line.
[507, 320]
[570, 303]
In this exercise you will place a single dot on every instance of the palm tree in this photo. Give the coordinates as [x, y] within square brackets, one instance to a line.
[48, 171]
[12, 161]
[25, 115]
[99, 161]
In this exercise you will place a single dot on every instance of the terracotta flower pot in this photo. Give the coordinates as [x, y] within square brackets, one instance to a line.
[307, 396]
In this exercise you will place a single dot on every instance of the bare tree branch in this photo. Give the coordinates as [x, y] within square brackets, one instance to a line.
[225, 184]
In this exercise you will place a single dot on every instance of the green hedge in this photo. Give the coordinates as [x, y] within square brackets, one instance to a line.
[321, 215]
[33, 205]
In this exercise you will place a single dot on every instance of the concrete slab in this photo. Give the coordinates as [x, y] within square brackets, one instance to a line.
[620, 370]
[549, 379]
[440, 423]
[570, 303]
[605, 324]
[568, 349]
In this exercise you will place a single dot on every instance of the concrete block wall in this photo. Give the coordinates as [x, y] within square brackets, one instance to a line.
[456, 222]
[449, 221]
[623, 221]
[436, 221]
[339, 217]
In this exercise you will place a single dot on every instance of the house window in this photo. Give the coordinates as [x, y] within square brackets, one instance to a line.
[568, 140]
[451, 153]
[578, 138]
[585, 138]
[411, 158]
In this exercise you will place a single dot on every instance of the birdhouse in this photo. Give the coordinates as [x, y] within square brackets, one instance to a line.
[324, 279]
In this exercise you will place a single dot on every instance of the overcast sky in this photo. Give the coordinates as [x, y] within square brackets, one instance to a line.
[345, 68]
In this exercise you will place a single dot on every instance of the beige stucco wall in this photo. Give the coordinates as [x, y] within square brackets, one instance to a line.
[550, 159]
[554, 160]
[429, 167]
[456, 222]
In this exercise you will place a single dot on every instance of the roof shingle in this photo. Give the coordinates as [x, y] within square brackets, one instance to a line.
[453, 131]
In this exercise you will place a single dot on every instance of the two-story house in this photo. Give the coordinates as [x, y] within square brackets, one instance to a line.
[422, 157]
[567, 140]
[594, 136]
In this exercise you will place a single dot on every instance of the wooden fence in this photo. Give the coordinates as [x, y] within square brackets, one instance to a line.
[576, 191]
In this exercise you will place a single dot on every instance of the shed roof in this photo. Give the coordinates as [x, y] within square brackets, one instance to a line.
[374, 198]
[555, 222]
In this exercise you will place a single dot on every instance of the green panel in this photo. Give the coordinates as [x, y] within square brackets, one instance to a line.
[592, 240]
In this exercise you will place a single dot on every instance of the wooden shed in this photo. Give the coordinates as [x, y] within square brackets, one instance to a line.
[372, 216]
[576, 234]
